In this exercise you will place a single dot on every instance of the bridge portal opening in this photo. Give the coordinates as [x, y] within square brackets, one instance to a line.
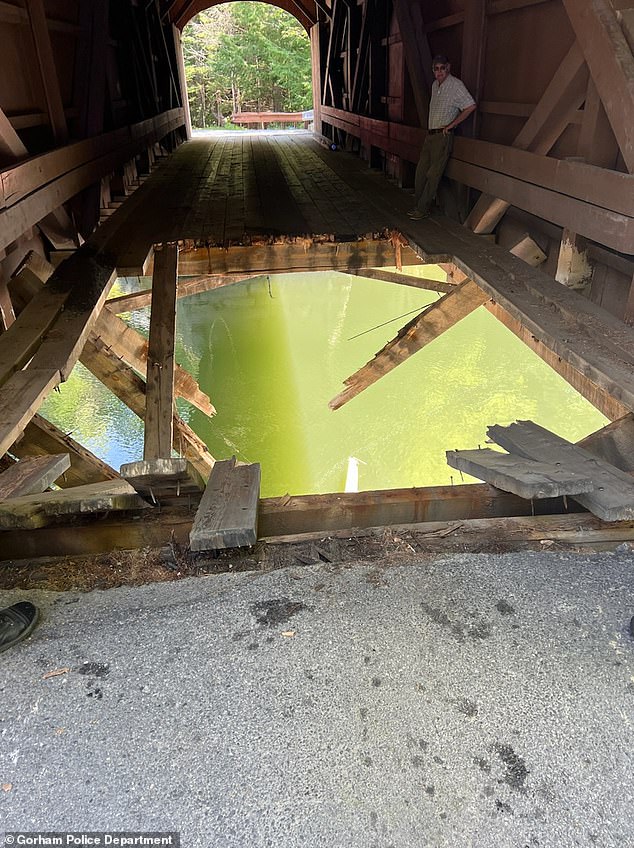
[247, 64]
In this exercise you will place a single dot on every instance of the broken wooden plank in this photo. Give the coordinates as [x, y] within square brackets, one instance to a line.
[228, 512]
[159, 397]
[582, 333]
[33, 511]
[158, 478]
[420, 331]
[88, 276]
[31, 476]
[114, 372]
[25, 394]
[613, 496]
[523, 477]
[22, 339]
[127, 343]
[132, 347]
[41, 437]
[286, 256]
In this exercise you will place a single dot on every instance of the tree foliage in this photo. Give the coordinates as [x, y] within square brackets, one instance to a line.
[245, 56]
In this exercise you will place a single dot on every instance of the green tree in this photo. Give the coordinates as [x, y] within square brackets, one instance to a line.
[246, 56]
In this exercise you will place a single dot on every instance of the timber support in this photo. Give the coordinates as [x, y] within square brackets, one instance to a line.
[94, 180]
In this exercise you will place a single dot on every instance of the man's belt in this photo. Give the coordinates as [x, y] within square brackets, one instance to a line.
[439, 130]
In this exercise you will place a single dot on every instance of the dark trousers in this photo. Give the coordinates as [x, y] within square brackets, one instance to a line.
[431, 166]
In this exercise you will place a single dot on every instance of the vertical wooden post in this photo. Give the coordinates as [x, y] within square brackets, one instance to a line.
[50, 79]
[573, 267]
[159, 402]
[180, 64]
[417, 54]
[315, 55]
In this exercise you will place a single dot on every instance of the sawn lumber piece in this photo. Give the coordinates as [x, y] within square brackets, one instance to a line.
[613, 497]
[423, 329]
[228, 511]
[614, 443]
[161, 477]
[41, 438]
[28, 283]
[522, 477]
[32, 476]
[33, 511]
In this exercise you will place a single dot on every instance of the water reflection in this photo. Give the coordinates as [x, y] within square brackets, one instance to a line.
[271, 354]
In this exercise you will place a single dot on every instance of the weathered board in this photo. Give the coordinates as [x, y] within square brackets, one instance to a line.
[159, 397]
[613, 443]
[163, 477]
[228, 512]
[613, 496]
[523, 477]
[33, 511]
[32, 476]
[423, 329]
[41, 438]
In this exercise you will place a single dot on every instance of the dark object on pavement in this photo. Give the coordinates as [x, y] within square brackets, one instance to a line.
[632, 627]
[16, 623]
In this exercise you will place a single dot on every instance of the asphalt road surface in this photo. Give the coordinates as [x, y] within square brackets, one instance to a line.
[472, 700]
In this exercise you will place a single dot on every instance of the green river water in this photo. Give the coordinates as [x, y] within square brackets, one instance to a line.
[272, 352]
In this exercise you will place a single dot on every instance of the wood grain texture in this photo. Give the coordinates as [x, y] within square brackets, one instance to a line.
[39, 510]
[612, 499]
[163, 477]
[228, 513]
[523, 477]
[416, 334]
[159, 401]
[42, 437]
[32, 476]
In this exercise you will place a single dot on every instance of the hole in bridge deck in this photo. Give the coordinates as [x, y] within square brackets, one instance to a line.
[271, 352]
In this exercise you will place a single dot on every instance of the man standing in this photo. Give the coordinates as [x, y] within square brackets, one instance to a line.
[450, 104]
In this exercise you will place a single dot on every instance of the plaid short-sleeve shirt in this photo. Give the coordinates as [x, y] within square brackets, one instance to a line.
[447, 102]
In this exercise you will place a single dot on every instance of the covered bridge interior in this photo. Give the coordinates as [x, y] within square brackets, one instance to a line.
[100, 178]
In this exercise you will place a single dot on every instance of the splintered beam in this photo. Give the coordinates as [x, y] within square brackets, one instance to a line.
[423, 329]
[125, 342]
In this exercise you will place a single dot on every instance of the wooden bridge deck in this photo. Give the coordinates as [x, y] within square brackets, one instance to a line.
[236, 192]
[253, 202]
[237, 188]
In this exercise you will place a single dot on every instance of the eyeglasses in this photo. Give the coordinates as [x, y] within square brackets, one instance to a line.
[439, 67]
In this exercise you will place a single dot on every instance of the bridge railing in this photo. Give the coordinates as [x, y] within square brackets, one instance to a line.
[265, 119]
